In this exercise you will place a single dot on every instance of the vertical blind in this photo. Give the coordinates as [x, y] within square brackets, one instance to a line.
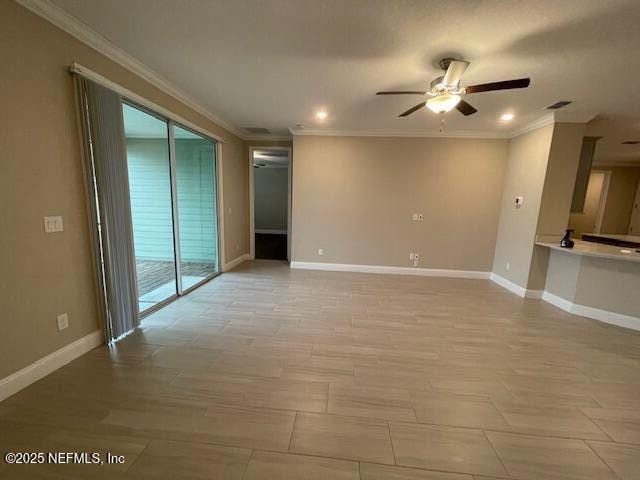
[108, 182]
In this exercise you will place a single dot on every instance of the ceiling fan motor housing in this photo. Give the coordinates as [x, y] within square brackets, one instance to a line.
[445, 62]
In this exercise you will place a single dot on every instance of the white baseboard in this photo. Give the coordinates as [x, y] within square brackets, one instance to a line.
[605, 316]
[559, 302]
[423, 272]
[508, 284]
[43, 367]
[613, 318]
[274, 232]
[235, 262]
[534, 294]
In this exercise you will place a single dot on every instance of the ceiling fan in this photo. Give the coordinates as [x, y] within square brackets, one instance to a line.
[446, 94]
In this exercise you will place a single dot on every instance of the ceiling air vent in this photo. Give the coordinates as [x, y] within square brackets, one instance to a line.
[631, 142]
[257, 130]
[560, 104]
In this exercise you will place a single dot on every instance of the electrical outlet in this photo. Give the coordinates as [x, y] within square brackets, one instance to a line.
[508, 266]
[415, 217]
[420, 217]
[320, 251]
[53, 224]
[63, 321]
[411, 255]
[415, 263]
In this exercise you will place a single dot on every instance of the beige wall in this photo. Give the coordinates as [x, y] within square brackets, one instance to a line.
[634, 221]
[562, 274]
[271, 198]
[557, 194]
[620, 198]
[525, 174]
[560, 178]
[354, 197]
[41, 174]
[601, 283]
[585, 222]
[609, 285]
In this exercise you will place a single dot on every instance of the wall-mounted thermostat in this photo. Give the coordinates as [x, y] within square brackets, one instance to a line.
[519, 201]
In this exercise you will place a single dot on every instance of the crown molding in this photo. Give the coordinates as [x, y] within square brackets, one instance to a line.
[268, 138]
[74, 27]
[536, 124]
[66, 22]
[548, 119]
[394, 133]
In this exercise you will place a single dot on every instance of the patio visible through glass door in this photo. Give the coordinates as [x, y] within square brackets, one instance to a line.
[172, 184]
[149, 169]
[195, 170]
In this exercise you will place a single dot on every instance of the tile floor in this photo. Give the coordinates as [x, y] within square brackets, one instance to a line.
[268, 373]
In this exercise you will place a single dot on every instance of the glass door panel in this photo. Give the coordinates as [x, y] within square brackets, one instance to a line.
[195, 170]
[149, 168]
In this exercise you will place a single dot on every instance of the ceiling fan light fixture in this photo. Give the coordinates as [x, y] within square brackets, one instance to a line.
[443, 103]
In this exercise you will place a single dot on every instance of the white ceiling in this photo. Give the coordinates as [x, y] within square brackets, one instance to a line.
[273, 63]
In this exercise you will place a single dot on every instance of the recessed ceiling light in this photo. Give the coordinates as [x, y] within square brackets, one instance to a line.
[321, 114]
[506, 117]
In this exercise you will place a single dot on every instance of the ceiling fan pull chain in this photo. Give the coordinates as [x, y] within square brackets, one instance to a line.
[442, 122]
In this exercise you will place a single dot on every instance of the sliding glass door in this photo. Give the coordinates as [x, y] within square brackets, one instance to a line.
[172, 183]
[149, 169]
[196, 194]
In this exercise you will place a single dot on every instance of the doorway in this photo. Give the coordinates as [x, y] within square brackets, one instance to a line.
[270, 179]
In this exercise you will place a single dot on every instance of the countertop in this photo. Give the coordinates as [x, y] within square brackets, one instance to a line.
[614, 236]
[597, 250]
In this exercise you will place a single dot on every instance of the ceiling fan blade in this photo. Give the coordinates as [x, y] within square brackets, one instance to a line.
[465, 109]
[410, 92]
[412, 109]
[454, 73]
[505, 85]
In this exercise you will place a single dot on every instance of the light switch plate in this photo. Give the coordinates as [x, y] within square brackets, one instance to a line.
[415, 217]
[320, 251]
[420, 217]
[63, 321]
[53, 224]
